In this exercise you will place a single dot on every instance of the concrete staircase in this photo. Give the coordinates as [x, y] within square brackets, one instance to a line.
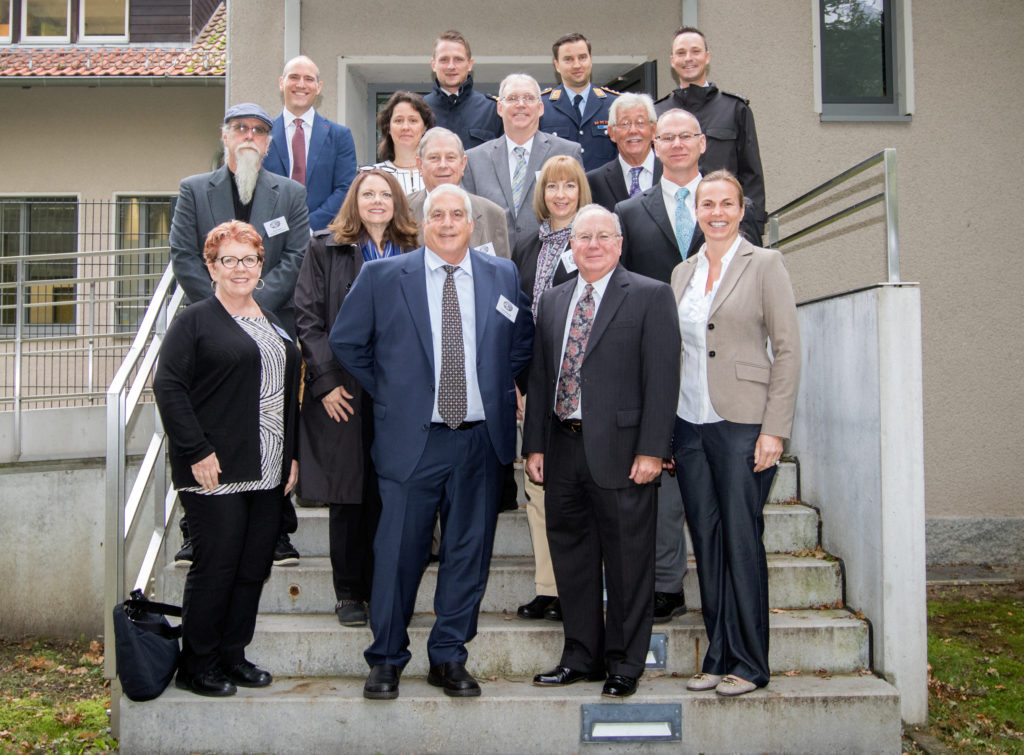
[821, 698]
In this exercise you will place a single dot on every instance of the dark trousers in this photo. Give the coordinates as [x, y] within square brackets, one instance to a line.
[233, 540]
[460, 473]
[351, 531]
[724, 502]
[590, 526]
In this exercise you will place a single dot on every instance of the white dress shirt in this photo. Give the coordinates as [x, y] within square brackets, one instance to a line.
[668, 192]
[600, 286]
[467, 305]
[289, 132]
[646, 175]
[694, 397]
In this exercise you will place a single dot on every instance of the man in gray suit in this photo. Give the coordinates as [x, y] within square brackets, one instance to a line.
[441, 160]
[504, 170]
[242, 189]
[603, 386]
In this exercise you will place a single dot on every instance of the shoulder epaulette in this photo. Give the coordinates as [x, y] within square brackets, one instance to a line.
[600, 91]
[554, 92]
[739, 97]
[492, 97]
[658, 102]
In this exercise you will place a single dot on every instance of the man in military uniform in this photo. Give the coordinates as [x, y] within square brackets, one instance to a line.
[470, 114]
[725, 119]
[575, 110]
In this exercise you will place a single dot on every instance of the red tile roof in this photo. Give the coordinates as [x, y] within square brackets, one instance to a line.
[207, 57]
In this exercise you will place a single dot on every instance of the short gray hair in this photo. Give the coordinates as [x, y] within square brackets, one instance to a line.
[438, 132]
[680, 111]
[596, 209]
[517, 78]
[448, 189]
[628, 101]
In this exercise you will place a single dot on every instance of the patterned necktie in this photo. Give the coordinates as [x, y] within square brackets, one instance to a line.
[519, 176]
[567, 397]
[299, 153]
[634, 181]
[577, 102]
[684, 222]
[451, 393]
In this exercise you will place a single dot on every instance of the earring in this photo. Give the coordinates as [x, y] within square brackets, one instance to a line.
[260, 284]
[213, 285]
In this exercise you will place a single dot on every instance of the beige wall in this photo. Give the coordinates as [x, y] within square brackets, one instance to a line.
[96, 141]
[958, 172]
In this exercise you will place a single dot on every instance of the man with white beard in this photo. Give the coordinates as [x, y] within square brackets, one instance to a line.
[275, 206]
[242, 189]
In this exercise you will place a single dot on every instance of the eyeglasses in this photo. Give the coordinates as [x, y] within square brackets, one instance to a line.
[630, 124]
[526, 99]
[241, 128]
[602, 238]
[230, 263]
[683, 137]
[382, 167]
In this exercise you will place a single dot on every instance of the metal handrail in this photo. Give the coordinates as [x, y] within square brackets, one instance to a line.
[889, 196]
[123, 505]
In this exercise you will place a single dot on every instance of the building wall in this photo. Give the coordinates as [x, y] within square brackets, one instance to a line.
[957, 160]
[96, 141]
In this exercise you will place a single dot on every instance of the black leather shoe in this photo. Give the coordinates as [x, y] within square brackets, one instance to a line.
[536, 607]
[619, 686]
[210, 683]
[246, 674]
[554, 611]
[382, 683]
[667, 605]
[559, 676]
[454, 679]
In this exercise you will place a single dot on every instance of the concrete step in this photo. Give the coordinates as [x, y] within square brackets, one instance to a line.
[316, 645]
[804, 714]
[793, 582]
[786, 528]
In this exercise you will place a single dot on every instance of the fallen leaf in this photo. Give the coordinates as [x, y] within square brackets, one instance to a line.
[69, 717]
[792, 672]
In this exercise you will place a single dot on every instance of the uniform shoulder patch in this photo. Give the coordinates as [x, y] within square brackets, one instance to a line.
[491, 97]
[553, 93]
[600, 91]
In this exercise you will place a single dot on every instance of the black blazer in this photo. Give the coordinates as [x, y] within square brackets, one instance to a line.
[528, 269]
[207, 388]
[630, 375]
[608, 187]
[648, 244]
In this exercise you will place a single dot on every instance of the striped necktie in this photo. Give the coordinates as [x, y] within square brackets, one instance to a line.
[519, 177]
[684, 222]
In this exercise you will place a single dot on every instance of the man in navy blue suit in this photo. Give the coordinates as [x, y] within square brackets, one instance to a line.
[437, 337]
[308, 148]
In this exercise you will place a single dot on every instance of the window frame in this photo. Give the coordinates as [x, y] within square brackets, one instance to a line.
[37, 40]
[6, 39]
[900, 52]
[94, 38]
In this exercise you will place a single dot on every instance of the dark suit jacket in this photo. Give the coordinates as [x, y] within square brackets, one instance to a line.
[630, 375]
[204, 202]
[648, 244]
[487, 174]
[382, 336]
[608, 187]
[330, 166]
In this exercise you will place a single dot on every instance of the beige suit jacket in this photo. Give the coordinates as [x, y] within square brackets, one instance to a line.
[489, 226]
[754, 303]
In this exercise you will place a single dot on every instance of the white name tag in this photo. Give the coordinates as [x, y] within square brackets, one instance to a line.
[487, 248]
[507, 308]
[568, 261]
[276, 226]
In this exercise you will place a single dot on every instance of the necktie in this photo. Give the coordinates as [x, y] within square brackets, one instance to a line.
[577, 102]
[634, 181]
[451, 393]
[519, 176]
[567, 396]
[299, 153]
[684, 222]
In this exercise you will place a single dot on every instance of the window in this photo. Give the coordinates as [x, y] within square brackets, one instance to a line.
[38, 226]
[103, 21]
[5, 20]
[143, 225]
[46, 20]
[864, 62]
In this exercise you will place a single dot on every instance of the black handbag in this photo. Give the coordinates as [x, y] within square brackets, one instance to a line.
[146, 646]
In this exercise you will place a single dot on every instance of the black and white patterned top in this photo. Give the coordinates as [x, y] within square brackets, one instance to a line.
[272, 362]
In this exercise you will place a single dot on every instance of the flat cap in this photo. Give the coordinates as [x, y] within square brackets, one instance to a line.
[248, 110]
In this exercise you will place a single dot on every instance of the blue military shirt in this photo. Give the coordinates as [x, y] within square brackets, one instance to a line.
[591, 132]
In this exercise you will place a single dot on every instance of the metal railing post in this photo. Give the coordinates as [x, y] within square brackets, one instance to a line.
[892, 223]
[19, 306]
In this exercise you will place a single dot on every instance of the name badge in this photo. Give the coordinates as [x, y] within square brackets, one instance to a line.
[281, 333]
[487, 248]
[568, 261]
[276, 226]
[507, 308]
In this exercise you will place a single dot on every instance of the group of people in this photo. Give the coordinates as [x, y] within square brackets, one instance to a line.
[584, 261]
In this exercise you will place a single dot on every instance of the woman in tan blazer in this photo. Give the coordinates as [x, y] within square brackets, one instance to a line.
[735, 407]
